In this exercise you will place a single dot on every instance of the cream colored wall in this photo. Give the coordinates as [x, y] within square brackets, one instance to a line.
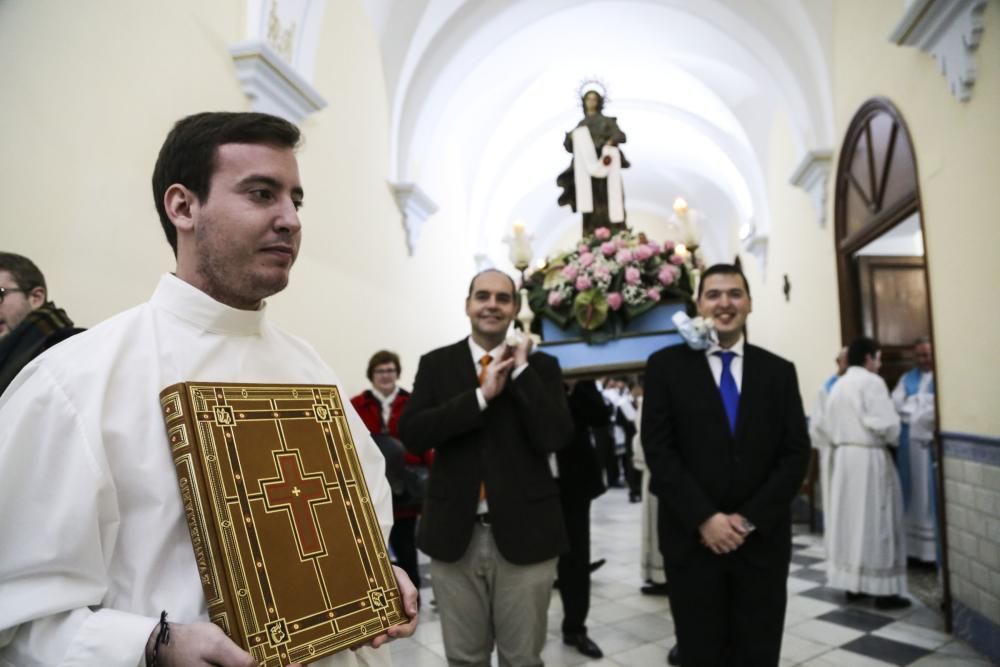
[91, 89]
[957, 144]
[806, 328]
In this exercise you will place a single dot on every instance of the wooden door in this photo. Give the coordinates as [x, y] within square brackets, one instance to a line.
[893, 298]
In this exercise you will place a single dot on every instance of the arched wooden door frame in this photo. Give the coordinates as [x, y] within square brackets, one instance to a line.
[885, 183]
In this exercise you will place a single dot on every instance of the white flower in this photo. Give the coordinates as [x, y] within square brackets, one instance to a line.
[699, 333]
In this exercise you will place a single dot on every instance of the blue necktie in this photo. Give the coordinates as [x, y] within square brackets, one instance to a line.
[727, 387]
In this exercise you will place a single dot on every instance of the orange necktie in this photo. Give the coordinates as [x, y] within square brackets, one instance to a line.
[484, 361]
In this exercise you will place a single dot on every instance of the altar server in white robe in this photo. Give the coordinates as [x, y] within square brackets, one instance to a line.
[914, 401]
[824, 451]
[867, 549]
[650, 559]
[95, 540]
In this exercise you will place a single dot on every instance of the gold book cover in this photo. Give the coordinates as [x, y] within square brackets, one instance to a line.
[289, 549]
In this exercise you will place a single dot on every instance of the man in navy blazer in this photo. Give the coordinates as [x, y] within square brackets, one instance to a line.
[492, 522]
[727, 447]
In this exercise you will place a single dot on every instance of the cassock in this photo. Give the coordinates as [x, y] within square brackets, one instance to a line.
[867, 548]
[824, 450]
[650, 558]
[95, 542]
[914, 401]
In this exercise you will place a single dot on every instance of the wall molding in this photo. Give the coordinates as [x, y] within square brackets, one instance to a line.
[978, 630]
[971, 447]
[416, 207]
[949, 30]
[273, 85]
[813, 175]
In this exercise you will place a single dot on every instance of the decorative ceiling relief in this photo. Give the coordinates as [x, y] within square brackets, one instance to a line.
[275, 63]
[949, 30]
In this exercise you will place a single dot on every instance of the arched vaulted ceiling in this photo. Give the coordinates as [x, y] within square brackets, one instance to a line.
[482, 92]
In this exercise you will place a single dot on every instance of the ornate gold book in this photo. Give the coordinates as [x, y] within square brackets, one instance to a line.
[288, 546]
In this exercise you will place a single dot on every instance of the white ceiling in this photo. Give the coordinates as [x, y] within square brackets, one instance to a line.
[482, 93]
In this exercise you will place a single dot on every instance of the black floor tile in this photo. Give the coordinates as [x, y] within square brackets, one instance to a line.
[886, 650]
[802, 559]
[857, 619]
[810, 574]
[798, 547]
[834, 595]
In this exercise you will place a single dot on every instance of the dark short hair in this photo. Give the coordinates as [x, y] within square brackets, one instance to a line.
[513, 286]
[726, 270]
[383, 357]
[188, 155]
[23, 271]
[859, 349]
[600, 100]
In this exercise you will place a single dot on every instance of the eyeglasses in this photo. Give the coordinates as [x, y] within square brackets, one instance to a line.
[384, 371]
[4, 291]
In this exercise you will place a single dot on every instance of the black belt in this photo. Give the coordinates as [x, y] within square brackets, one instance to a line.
[483, 519]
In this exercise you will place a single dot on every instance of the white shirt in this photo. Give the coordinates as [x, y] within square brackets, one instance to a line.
[386, 402]
[95, 540]
[859, 411]
[735, 366]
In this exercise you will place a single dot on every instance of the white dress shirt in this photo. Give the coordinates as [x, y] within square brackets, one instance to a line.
[735, 366]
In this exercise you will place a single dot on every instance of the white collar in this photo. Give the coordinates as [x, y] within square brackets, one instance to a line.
[383, 399]
[736, 348]
[187, 302]
[478, 352]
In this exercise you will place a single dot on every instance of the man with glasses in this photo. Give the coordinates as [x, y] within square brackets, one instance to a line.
[29, 322]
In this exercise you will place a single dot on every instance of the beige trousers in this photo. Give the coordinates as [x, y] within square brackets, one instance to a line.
[484, 599]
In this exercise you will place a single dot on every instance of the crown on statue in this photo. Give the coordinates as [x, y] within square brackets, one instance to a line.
[592, 83]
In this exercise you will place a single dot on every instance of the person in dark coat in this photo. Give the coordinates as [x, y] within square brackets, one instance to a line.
[725, 440]
[493, 413]
[579, 483]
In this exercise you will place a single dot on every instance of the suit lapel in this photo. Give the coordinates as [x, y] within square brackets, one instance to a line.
[701, 375]
[461, 363]
[749, 386]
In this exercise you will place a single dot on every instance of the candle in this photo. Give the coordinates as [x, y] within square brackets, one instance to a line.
[520, 247]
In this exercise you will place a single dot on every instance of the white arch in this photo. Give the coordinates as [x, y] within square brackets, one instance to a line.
[481, 95]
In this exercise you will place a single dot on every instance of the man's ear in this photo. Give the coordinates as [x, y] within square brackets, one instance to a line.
[179, 203]
[36, 297]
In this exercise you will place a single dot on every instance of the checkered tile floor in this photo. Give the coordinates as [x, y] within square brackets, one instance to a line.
[821, 630]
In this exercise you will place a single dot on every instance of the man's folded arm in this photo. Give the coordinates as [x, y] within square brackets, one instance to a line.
[671, 481]
[543, 407]
[773, 497]
[428, 423]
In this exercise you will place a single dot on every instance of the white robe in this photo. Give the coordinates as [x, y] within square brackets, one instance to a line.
[919, 516]
[867, 547]
[824, 455]
[650, 558]
[95, 542]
